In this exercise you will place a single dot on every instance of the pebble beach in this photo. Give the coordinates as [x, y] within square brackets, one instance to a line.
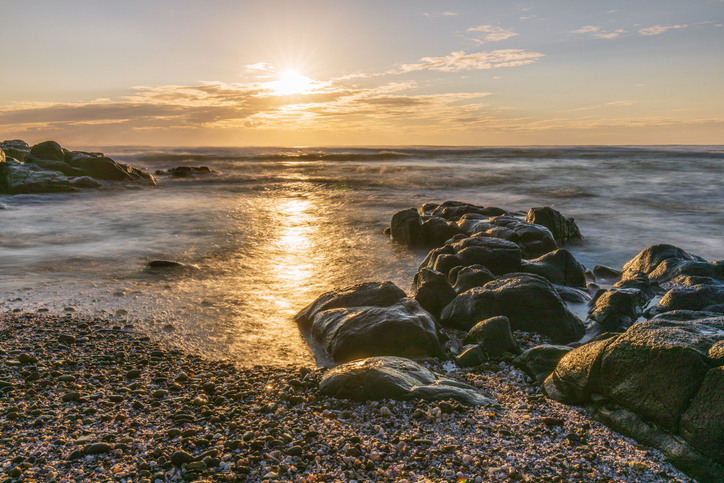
[85, 400]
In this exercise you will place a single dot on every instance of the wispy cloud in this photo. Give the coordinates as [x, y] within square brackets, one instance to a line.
[459, 61]
[442, 14]
[491, 33]
[614, 103]
[660, 29]
[598, 33]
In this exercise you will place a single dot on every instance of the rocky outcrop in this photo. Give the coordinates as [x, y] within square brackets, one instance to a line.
[530, 303]
[396, 378]
[15, 149]
[48, 168]
[667, 263]
[498, 256]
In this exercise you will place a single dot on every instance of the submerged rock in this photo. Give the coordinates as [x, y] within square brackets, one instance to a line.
[406, 227]
[530, 302]
[396, 378]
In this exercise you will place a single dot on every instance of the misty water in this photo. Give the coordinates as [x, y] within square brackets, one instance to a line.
[272, 229]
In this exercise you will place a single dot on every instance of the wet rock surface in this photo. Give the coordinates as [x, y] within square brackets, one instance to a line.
[264, 423]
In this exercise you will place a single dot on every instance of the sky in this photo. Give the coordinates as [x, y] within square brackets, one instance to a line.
[355, 73]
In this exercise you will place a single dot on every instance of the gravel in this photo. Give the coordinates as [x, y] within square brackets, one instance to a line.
[83, 400]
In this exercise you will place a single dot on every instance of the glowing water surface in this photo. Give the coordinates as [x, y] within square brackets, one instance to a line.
[272, 230]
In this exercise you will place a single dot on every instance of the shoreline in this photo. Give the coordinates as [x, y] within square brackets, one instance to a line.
[137, 410]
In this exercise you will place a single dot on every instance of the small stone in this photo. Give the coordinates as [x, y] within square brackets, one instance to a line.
[418, 413]
[178, 458]
[295, 451]
[26, 358]
[160, 393]
[133, 374]
[467, 459]
[548, 421]
[66, 338]
[97, 448]
[385, 412]
[196, 465]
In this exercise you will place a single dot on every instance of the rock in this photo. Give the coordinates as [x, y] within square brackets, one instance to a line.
[396, 378]
[97, 448]
[406, 227]
[85, 182]
[52, 165]
[402, 329]
[618, 309]
[494, 337]
[559, 267]
[66, 338]
[498, 256]
[454, 210]
[695, 298]
[16, 149]
[471, 356]
[48, 150]
[577, 374]
[564, 230]
[436, 231]
[295, 451]
[23, 179]
[433, 291]
[70, 396]
[606, 273]
[471, 277]
[25, 358]
[703, 422]
[573, 295]
[534, 240]
[530, 303]
[378, 294]
[186, 171]
[660, 263]
[133, 374]
[164, 264]
[540, 361]
[178, 458]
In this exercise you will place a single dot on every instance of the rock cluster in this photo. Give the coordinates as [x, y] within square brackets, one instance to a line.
[49, 168]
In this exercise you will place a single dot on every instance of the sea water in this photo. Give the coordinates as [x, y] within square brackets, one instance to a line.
[272, 229]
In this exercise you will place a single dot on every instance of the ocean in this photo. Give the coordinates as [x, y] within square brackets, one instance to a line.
[274, 228]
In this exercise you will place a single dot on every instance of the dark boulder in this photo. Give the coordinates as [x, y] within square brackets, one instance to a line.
[377, 294]
[432, 291]
[618, 309]
[573, 295]
[578, 374]
[703, 422]
[559, 267]
[15, 149]
[436, 231]
[85, 182]
[379, 378]
[52, 165]
[602, 272]
[186, 171]
[49, 150]
[471, 277]
[657, 262]
[534, 240]
[695, 298]
[564, 230]
[403, 329]
[454, 210]
[530, 303]
[494, 337]
[498, 256]
[471, 356]
[540, 361]
[164, 264]
[16, 178]
[406, 227]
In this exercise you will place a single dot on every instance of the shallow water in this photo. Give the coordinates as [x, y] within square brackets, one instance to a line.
[273, 229]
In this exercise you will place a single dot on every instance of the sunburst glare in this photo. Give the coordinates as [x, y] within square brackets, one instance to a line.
[291, 82]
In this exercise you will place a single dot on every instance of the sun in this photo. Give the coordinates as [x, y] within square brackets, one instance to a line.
[291, 82]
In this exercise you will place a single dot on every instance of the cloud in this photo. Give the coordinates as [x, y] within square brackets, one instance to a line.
[443, 14]
[459, 61]
[596, 32]
[614, 103]
[492, 34]
[262, 66]
[660, 29]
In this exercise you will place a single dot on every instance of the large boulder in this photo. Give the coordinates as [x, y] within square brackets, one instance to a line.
[703, 422]
[618, 309]
[564, 230]
[21, 179]
[469, 277]
[53, 165]
[695, 298]
[369, 294]
[494, 337]
[406, 227]
[432, 291]
[49, 150]
[396, 378]
[658, 263]
[540, 361]
[559, 267]
[530, 302]
[454, 210]
[436, 231]
[533, 240]
[403, 329]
